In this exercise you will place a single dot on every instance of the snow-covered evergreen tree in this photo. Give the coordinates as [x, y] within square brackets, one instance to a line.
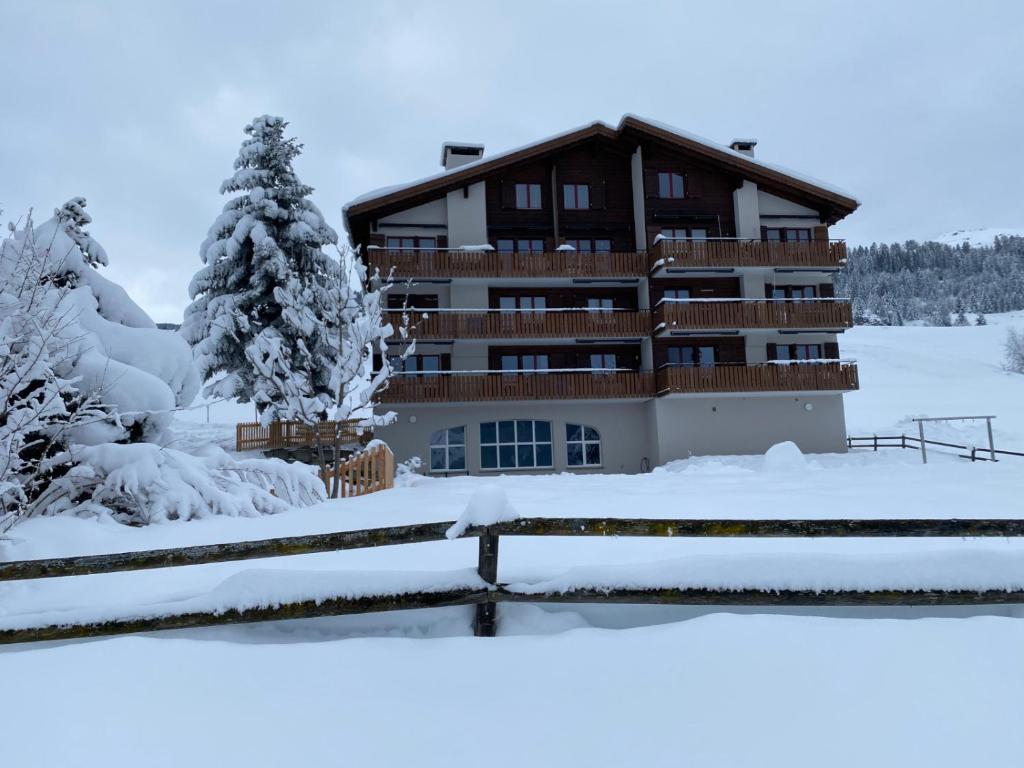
[263, 311]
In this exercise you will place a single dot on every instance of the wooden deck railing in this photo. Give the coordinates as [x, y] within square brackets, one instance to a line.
[536, 325]
[753, 314]
[694, 254]
[768, 377]
[253, 436]
[438, 263]
[460, 388]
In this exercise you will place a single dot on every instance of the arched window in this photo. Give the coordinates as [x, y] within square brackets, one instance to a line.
[448, 450]
[582, 446]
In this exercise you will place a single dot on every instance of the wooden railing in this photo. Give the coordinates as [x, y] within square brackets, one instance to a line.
[769, 377]
[458, 387]
[753, 314]
[519, 324]
[253, 436]
[438, 263]
[370, 471]
[484, 591]
[694, 254]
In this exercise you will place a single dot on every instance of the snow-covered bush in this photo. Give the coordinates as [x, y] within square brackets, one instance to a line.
[263, 308]
[114, 351]
[1014, 348]
[144, 483]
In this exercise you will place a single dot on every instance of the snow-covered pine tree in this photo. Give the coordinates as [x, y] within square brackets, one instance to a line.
[980, 319]
[262, 312]
[961, 313]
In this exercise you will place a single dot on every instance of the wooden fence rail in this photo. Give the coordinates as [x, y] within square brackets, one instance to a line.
[486, 600]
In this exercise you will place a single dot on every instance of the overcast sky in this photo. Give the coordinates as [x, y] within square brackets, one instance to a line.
[916, 108]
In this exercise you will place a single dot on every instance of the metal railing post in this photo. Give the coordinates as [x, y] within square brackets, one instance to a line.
[924, 450]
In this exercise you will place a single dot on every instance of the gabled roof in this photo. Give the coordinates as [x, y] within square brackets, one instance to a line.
[718, 154]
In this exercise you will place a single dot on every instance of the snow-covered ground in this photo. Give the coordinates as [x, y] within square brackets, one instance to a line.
[579, 685]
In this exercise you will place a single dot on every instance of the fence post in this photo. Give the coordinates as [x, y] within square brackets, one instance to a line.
[991, 442]
[484, 624]
[876, 442]
[903, 440]
[924, 448]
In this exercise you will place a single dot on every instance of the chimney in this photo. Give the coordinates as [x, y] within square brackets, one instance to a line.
[456, 153]
[744, 146]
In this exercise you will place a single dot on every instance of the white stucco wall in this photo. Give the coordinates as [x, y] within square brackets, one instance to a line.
[467, 216]
[773, 205]
[746, 203]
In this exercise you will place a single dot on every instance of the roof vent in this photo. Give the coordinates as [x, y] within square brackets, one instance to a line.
[744, 146]
[456, 153]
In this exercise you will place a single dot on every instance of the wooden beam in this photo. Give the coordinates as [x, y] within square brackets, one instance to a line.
[308, 609]
[485, 623]
[221, 553]
[672, 528]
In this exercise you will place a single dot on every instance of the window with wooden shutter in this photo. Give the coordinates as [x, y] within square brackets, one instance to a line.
[773, 352]
[508, 194]
[821, 233]
[832, 350]
[597, 195]
[650, 182]
[826, 291]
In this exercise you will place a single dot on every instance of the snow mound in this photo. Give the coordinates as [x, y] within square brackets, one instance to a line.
[784, 457]
[487, 505]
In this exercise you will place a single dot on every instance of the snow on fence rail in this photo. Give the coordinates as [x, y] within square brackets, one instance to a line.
[253, 436]
[483, 589]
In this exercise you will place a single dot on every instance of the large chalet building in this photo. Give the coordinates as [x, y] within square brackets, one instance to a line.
[610, 299]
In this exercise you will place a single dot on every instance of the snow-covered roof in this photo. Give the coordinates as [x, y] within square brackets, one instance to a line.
[718, 151]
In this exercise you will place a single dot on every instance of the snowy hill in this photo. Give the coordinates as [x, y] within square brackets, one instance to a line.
[977, 237]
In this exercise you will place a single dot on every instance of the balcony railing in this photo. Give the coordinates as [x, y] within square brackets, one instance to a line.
[537, 324]
[768, 377]
[711, 314]
[457, 387]
[430, 263]
[719, 253]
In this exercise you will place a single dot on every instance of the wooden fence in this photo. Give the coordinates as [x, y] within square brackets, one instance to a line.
[486, 599]
[253, 436]
[370, 471]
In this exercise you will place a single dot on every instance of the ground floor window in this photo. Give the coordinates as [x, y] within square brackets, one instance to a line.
[582, 445]
[448, 450]
[519, 444]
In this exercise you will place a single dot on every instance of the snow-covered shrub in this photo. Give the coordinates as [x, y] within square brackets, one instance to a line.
[145, 483]
[263, 309]
[114, 351]
[1014, 348]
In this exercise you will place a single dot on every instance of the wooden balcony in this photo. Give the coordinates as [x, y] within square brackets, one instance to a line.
[768, 377]
[427, 263]
[550, 324]
[722, 253]
[471, 387]
[725, 314]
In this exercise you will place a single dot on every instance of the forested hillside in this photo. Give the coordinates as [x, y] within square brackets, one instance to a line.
[933, 283]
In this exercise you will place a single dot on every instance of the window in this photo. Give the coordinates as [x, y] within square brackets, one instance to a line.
[600, 304]
[691, 357]
[426, 365]
[582, 446]
[398, 301]
[685, 233]
[602, 362]
[676, 294]
[522, 303]
[794, 292]
[525, 245]
[575, 197]
[519, 444]
[798, 352]
[448, 450]
[788, 235]
[670, 185]
[524, 363]
[588, 245]
[528, 196]
[410, 243]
